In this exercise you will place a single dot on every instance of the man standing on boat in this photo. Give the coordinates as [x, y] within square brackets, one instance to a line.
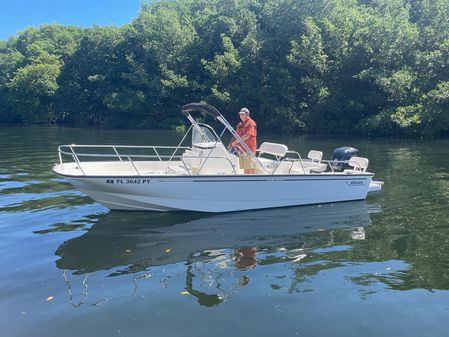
[247, 130]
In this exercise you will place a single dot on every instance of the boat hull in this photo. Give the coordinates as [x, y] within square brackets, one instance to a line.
[221, 193]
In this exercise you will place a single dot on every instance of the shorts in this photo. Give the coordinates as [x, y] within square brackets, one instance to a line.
[246, 162]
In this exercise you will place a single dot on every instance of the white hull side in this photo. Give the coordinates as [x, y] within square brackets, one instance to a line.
[221, 193]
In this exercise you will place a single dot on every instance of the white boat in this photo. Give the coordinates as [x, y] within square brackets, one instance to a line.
[206, 177]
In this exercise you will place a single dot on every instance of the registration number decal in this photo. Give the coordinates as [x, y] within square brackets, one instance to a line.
[128, 181]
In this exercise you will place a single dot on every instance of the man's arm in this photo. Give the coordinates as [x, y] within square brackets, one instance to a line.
[244, 137]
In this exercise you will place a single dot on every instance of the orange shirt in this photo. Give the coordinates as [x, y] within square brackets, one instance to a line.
[248, 127]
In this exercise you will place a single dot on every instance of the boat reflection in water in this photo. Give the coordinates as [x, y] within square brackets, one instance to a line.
[211, 248]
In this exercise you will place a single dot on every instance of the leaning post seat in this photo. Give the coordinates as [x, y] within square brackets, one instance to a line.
[274, 149]
[358, 164]
[278, 150]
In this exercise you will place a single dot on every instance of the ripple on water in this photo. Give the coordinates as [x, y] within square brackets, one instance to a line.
[22, 202]
[5, 185]
[51, 219]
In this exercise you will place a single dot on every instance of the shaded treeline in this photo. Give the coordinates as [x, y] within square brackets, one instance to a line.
[374, 67]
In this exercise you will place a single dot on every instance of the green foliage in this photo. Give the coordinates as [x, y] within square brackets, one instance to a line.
[436, 112]
[33, 86]
[378, 125]
[223, 70]
[378, 67]
[407, 116]
[309, 54]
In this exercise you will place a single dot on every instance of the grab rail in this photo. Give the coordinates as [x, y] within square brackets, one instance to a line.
[118, 155]
[75, 157]
[70, 150]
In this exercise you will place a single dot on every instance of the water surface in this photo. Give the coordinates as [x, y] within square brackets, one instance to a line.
[71, 267]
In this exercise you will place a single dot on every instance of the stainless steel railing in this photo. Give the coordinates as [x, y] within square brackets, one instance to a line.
[117, 153]
[71, 150]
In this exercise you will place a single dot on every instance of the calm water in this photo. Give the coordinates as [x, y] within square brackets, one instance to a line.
[70, 267]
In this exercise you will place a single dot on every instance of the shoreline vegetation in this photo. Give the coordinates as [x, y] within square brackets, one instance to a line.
[376, 68]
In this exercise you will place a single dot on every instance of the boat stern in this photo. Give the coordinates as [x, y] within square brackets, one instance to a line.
[375, 186]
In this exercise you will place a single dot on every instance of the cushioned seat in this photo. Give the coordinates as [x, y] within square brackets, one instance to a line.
[359, 164]
[315, 155]
[275, 149]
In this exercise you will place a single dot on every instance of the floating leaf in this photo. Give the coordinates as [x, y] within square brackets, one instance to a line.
[184, 293]
[168, 250]
[128, 251]
[49, 298]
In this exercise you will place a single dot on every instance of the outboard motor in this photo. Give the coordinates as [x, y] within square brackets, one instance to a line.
[343, 154]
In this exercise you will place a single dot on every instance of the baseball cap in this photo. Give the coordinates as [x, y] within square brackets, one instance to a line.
[244, 111]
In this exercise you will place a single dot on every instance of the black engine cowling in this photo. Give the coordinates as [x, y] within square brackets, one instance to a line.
[343, 154]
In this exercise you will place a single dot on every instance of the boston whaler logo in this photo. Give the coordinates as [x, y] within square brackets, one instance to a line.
[355, 182]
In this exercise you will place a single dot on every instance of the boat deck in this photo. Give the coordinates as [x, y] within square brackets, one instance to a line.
[171, 168]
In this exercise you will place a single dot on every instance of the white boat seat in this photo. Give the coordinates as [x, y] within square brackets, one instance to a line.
[308, 166]
[315, 155]
[359, 164]
[318, 168]
[278, 150]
